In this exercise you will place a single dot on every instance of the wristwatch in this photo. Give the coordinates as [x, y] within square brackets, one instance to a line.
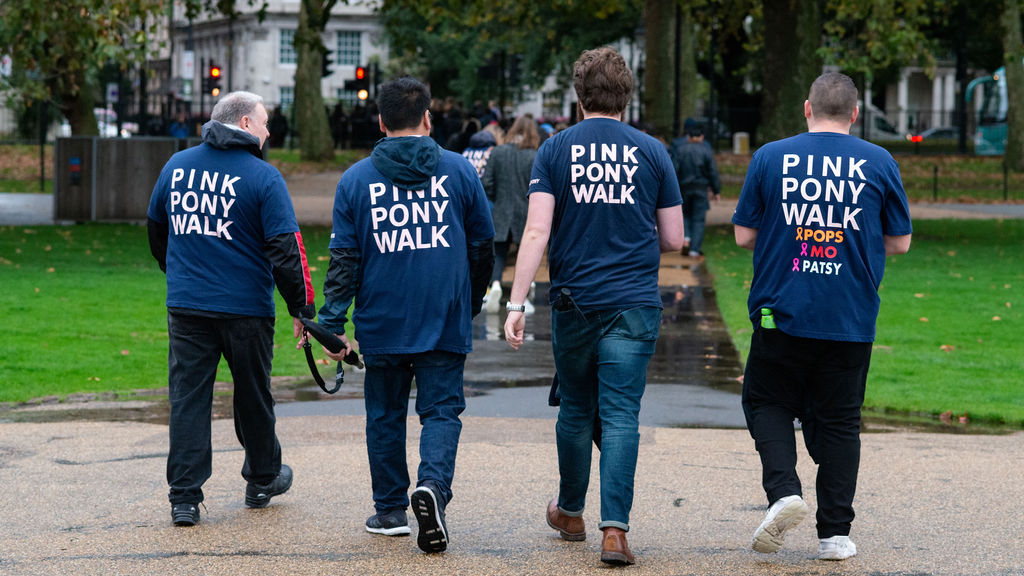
[515, 307]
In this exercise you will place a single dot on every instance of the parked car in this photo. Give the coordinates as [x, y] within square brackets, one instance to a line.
[106, 121]
[878, 128]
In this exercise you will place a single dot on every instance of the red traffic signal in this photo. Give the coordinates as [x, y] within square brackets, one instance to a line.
[360, 73]
[214, 71]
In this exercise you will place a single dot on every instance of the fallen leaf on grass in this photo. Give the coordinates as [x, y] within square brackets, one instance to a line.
[923, 319]
[947, 348]
[1007, 304]
[951, 253]
[946, 416]
[996, 318]
[94, 378]
[50, 269]
[919, 295]
[125, 352]
[323, 258]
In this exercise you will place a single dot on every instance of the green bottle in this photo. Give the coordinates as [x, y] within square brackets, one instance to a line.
[767, 320]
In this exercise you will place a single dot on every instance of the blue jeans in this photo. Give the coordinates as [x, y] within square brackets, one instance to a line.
[439, 401]
[695, 209]
[601, 357]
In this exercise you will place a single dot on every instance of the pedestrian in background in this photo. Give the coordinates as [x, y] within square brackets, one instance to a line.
[222, 227]
[697, 173]
[606, 197]
[417, 283]
[814, 302]
[506, 180]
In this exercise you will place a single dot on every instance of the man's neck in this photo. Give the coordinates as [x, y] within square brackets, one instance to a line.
[589, 115]
[841, 127]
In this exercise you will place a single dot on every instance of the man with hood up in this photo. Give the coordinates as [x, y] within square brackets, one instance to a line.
[222, 226]
[413, 243]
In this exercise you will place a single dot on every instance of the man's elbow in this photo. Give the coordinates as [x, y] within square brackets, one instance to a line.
[673, 243]
[897, 245]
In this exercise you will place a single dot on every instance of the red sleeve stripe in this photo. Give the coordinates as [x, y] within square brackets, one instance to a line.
[306, 279]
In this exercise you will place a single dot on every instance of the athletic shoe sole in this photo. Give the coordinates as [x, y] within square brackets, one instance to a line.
[770, 534]
[397, 531]
[433, 536]
[188, 516]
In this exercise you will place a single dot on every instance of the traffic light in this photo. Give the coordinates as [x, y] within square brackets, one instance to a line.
[213, 78]
[325, 69]
[361, 84]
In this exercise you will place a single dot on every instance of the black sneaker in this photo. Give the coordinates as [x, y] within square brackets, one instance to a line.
[390, 523]
[259, 495]
[185, 514]
[426, 505]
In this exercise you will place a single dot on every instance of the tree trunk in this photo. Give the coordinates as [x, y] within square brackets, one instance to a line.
[688, 78]
[659, 80]
[78, 107]
[1012, 60]
[315, 142]
[790, 63]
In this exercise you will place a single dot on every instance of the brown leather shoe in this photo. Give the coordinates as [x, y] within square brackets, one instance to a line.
[570, 527]
[614, 549]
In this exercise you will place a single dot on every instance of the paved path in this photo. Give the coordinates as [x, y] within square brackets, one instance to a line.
[89, 498]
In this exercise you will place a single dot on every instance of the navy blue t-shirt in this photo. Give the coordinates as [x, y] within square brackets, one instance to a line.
[608, 180]
[821, 203]
[415, 290]
[221, 205]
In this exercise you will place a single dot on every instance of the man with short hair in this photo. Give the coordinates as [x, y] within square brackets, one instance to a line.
[222, 226]
[413, 243]
[695, 167]
[606, 196]
[821, 211]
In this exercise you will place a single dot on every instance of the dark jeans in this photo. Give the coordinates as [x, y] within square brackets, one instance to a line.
[601, 358]
[439, 401]
[196, 346]
[695, 209]
[821, 382]
[500, 255]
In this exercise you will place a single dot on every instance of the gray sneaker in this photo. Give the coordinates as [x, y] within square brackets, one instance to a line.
[389, 523]
[784, 514]
[836, 548]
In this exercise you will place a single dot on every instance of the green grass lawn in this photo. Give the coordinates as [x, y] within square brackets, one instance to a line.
[82, 310]
[949, 329]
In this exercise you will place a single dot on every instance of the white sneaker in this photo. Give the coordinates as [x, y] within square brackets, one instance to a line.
[836, 548]
[529, 307]
[492, 302]
[784, 514]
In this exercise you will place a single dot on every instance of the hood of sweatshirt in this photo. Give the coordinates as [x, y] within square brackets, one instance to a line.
[408, 161]
[224, 137]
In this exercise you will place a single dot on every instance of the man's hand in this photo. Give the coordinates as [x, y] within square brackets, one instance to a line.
[298, 332]
[341, 354]
[515, 326]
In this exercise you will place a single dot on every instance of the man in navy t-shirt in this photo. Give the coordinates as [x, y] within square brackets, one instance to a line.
[413, 243]
[821, 211]
[606, 196]
[222, 226]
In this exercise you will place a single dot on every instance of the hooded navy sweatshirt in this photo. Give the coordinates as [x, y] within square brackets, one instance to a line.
[411, 212]
[222, 225]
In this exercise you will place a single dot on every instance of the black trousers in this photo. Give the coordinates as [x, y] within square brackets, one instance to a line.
[196, 346]
[821, 382]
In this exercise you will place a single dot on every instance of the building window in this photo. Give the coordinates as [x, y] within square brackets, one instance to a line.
[286, 52]
[287, 97]
[349, 49]
[348, 97]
